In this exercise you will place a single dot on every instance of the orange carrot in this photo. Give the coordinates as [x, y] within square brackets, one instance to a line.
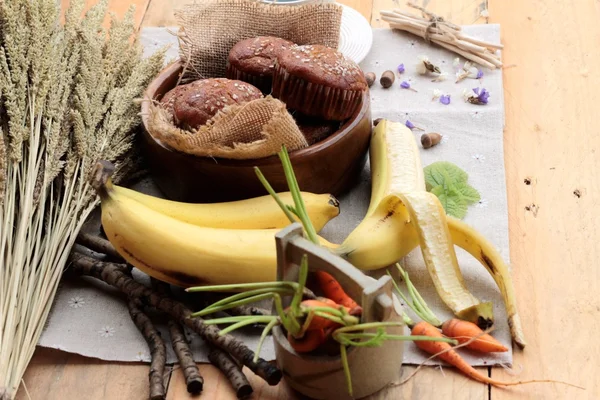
[333, 290]
[445, 352]
[463, 331]
[310, 341]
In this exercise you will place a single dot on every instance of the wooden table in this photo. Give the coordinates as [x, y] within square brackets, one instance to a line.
[551, 83]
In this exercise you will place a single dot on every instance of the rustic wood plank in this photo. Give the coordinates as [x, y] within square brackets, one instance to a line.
[552, 138]
[55, 375]
[119, 7]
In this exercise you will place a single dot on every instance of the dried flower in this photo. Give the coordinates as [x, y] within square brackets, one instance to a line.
[441, 77]
[424, 66]
[456, 62]
[437, 93]
[445, 99]
[412, 126]
[468, 71]
[479, 74]
[406, 85]
[476, 96]
[401, 68]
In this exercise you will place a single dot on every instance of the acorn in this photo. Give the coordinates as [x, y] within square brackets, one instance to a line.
[370, 77]
[430, 139]
[387, 79]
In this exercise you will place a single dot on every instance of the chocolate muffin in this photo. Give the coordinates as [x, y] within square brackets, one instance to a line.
[318, 81]
[253, 60]
[168, 100]
[193, 104]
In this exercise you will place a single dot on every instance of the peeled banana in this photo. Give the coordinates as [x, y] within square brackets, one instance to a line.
[257, 213]
[391, 229]
[400, 203]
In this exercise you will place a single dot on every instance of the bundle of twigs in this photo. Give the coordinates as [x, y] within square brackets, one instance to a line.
[67, 96]
[226, 352]
[445, 34]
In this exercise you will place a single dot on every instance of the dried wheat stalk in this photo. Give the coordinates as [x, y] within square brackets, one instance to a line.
[66, 99]
[445, 34]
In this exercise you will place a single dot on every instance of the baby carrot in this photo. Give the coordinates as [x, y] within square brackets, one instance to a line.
[463, 331]
[332, 289]
[453, 358]
[310, 341]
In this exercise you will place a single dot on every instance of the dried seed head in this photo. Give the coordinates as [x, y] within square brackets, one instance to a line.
[370, 77]
[430, 139]
[387, 79]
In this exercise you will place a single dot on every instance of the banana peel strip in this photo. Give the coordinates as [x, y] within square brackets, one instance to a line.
[429, 220]
[467, 238]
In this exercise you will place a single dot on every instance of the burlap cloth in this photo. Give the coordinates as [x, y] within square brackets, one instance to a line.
[208, 30]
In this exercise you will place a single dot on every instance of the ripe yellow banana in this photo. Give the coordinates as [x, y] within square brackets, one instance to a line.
[178, 252]
[403, 214]
[257, 213]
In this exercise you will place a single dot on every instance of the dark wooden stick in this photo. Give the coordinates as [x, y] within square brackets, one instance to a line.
[113, 274]
[158, 351]
[99, 245]
[232, 371]
[193, 379]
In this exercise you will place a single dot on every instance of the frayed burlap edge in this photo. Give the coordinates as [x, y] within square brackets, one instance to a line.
[252, 130]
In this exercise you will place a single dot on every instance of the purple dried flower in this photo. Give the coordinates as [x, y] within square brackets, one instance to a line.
[445, 99]
[479, 74]
[405, 85]
[400, 68]
[477, 96]
[483, 96]
[411, 126]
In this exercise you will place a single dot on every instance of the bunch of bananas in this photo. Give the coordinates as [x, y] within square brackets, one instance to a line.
[191, 244]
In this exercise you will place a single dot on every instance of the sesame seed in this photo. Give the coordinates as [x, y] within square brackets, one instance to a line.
[234, 96]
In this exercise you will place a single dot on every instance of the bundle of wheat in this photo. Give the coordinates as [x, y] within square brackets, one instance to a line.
[67, 99]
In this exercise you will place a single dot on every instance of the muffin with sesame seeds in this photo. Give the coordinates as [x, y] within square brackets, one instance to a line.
[253, 60]
[318, 81]
[193, 104]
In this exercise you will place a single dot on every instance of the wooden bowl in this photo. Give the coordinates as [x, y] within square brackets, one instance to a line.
[330, 166]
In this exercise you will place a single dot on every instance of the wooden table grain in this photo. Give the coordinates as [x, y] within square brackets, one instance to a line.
[552, 154]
